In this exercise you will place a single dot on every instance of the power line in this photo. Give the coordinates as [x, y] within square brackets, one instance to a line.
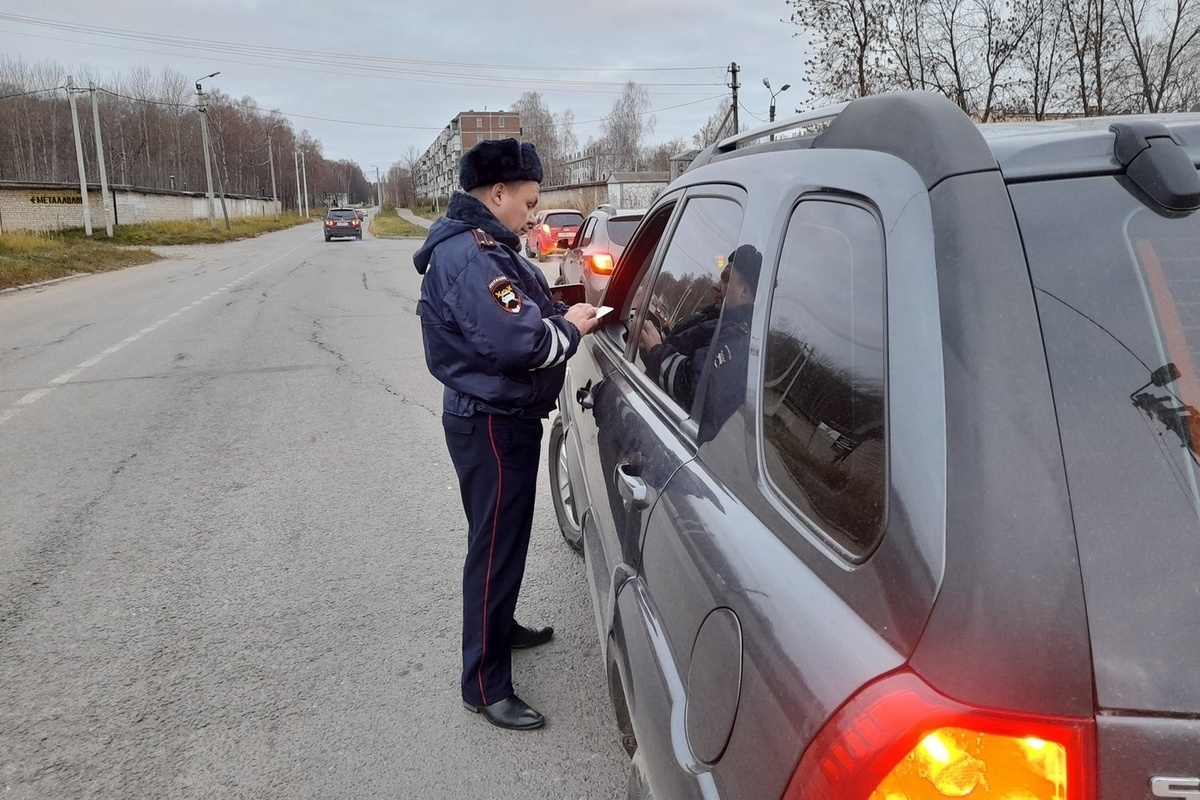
[32, 91]
[371, 64]
[218, 103]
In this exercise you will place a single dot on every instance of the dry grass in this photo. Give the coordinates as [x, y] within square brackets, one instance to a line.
[198, 231]
[30, 257]
[389, 226]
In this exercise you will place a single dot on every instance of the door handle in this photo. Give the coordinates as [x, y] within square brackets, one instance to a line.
[584, 397]
[633, 489]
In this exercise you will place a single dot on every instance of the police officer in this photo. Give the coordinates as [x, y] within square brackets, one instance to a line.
[499, 343]
[676, 364]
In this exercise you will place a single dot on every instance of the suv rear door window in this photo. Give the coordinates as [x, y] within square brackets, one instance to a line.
[824, 415]
[1118, 293]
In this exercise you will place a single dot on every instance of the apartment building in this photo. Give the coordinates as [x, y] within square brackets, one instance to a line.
[437, 170]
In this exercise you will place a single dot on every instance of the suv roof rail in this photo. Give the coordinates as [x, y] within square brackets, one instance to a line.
[927, 130]
[809, 119]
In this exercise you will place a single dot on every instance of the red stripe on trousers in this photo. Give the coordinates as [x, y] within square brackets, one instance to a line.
[487, 585]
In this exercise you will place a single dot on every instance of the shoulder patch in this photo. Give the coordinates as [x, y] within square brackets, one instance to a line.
[483, 238]
[505, 294]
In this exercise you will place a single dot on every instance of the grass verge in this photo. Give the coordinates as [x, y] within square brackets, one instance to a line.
[33, 257]
[30, 258]
[387, 225]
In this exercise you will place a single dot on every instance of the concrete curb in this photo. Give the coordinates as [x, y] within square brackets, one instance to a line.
[40, 284]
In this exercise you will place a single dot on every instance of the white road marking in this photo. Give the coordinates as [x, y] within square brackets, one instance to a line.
[38, 394]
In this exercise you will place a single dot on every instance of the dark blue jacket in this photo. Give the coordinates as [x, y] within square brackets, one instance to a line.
[492, 333]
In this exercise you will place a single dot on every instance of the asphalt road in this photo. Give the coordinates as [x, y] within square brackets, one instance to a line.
[231, 543]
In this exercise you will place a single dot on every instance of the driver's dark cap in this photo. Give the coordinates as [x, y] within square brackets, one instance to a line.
[747, 263]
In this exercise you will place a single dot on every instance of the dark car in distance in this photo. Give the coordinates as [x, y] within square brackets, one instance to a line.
[552, 230]
[593, 252]
[917, 513]
[342, 223]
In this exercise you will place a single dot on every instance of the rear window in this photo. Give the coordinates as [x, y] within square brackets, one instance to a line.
[561, 220]
[342, 213]
[620, 230]
[1118, 291]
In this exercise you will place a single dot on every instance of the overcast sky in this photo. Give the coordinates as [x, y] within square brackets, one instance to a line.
[369, 79]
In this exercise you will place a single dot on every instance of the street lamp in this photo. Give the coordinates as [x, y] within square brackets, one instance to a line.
[782, 89]
[212, 214]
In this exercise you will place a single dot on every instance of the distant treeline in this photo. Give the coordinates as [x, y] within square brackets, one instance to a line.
[150, 128]
[1003, 58]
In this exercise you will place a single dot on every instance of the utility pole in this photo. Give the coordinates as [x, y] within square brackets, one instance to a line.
[304, 172]
[87, 211]
[221, 192]
[212, 211]
[271, 158]
[733, 72]
[104, 204]
[296, 159]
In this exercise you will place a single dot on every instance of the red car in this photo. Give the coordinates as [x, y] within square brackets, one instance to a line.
[553, 229]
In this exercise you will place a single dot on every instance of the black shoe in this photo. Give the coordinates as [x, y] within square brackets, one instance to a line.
[522, 637]
[511, 713]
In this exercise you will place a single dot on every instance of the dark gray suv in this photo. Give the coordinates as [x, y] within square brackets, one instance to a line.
[915, 512]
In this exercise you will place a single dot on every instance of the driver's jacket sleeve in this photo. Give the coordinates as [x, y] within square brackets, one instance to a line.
[492, 333]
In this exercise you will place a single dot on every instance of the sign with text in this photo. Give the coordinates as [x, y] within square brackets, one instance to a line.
[56, 199]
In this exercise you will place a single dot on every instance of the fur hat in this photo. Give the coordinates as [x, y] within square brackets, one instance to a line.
[499, 161]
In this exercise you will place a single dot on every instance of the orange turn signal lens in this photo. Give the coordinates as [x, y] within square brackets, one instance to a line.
[956, 762]
[602, 263]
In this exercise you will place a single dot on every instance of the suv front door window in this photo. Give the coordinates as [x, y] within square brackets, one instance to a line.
[678, 307]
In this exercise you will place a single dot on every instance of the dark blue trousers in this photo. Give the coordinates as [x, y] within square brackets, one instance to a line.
[497, 460]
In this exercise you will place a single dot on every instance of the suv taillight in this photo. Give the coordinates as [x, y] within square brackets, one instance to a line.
[601, 263]
[898, 738]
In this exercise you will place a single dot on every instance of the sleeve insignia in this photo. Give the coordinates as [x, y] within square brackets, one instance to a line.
[723, 356]
[505, 294]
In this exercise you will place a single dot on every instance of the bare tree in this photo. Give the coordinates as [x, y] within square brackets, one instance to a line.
[906, 56]
[658, 157]
[627, 125]
[716, 126]
[539, 126]
[1044, 58]
[849, 39]
[1161, 36]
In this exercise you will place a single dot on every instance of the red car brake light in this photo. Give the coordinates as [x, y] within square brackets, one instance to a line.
[600, 263]
[898, 738]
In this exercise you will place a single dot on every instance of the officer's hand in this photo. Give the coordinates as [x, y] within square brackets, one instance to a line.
[583, 317]
[650, 337]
